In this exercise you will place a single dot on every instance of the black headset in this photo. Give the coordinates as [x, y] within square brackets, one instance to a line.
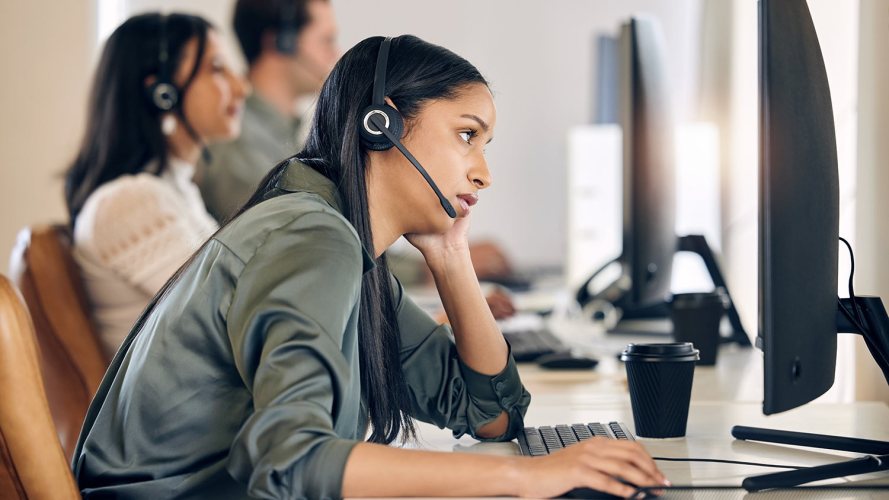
[163, 92]
[381, 125]
[285, 38]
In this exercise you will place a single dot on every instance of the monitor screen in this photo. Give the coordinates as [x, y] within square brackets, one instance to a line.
[798, 210]
[649, 206]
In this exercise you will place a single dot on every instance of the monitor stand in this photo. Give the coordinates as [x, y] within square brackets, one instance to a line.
[654, 318]
[875, 321]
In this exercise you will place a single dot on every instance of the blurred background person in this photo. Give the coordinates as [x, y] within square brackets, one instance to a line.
[161, 91]
[290, 48]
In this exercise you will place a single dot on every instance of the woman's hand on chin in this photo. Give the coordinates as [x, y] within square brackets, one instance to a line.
[442, 246]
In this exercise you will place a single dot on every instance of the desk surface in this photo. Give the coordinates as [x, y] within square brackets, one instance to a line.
[725, 395]
[708, 436]
[737, 376]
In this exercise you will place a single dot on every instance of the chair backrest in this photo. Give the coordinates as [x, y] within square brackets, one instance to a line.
[32, 464]
[70, 354]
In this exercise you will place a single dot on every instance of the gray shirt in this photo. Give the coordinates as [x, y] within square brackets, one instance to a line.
[244, 379]
[236, 167]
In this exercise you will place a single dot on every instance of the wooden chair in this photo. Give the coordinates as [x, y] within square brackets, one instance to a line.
[71, 357]
[32, 463]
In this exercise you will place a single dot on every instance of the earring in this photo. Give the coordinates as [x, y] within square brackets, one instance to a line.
[168, 124]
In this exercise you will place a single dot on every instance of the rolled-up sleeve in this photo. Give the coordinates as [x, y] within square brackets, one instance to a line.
[446, 392]
[292, 304]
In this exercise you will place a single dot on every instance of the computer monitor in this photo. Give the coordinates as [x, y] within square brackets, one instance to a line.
[800, 313]
[799, 220]
[649, 200]
[640, 287]
[649, 205]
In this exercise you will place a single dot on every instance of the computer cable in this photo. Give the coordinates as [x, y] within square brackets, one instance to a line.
[643, 490]
[858, 320]
[652, 489]
[719, 461]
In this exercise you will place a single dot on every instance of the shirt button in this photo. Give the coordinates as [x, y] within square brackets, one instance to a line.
[504, 403]
[499, 386]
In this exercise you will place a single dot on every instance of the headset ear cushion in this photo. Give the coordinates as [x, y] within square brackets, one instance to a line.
[163, 95]
[285, 41]
[373, 139]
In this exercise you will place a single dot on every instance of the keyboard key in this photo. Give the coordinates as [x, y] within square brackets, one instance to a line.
[550, 438]
[581, 431]
[566, 435]
[598, 430]
[534, 441]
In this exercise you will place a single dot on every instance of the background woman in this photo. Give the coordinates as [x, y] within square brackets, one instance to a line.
[162, 91]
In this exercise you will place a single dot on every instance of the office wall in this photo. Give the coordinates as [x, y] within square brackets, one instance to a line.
[46, 50]
[872, 228]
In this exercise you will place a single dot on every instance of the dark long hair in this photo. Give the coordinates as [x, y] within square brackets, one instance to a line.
[123, 130]
[418, 72]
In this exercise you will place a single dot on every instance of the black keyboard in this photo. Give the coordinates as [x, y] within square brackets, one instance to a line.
[528, 345]
[536, 441]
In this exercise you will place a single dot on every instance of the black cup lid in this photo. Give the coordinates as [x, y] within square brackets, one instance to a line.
[696, 299]
[677, 351]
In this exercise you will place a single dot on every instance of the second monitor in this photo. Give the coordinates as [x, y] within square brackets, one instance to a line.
[641, 289]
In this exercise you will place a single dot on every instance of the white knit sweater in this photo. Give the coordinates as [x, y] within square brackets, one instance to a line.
[132, 234]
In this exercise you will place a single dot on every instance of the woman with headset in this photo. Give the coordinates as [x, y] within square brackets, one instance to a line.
[162, 91]
[283, 356]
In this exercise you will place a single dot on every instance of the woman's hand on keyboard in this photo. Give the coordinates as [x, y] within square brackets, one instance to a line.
[599, 463]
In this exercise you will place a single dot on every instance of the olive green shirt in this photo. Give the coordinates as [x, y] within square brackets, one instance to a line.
[236, 167]
[244, 379]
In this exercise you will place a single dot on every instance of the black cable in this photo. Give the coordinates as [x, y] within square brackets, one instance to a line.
[647, 489]
[861, 323]
[736, 462]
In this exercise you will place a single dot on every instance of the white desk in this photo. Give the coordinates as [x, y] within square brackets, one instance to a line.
[708, 436]
[722, 396]
[737, 375]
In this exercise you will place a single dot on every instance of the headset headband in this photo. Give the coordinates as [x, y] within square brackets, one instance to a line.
[379, 92]
[163, 54]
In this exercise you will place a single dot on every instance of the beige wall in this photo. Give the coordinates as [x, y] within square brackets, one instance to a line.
[872, 228]
[46, 50]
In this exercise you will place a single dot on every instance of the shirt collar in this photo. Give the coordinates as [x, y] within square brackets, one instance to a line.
[180, 169]
[299, 177]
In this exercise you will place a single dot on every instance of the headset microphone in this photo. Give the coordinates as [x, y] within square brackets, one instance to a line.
[388, 125]
[445, 204]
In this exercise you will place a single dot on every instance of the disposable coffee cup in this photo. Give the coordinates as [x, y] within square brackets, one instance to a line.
[696, 318]
[660, 378]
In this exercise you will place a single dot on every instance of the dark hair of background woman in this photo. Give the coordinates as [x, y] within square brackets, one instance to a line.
[123, 130]
[418, 72]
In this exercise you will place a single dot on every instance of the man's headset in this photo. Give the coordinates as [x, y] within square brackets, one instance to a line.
[285, 37]
[381, 125]
[163, 92]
